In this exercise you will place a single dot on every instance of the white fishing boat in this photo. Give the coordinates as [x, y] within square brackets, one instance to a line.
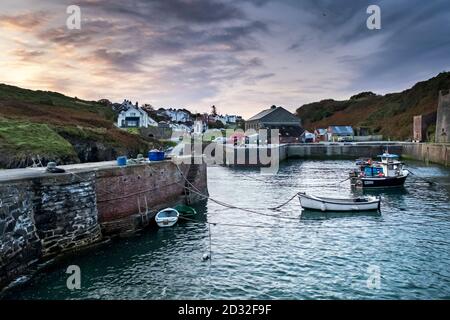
[330, 204]
[167, 218]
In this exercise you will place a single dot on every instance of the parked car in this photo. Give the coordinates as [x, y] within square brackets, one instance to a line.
[220, 140]
[345, 139]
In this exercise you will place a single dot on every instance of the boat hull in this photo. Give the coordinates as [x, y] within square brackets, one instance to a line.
[388, 182]
[166, 222]
[318, 204]
[186, 211]
[167, 218]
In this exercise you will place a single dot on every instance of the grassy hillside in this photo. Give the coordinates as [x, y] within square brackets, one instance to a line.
[390, 115]
[59, 128]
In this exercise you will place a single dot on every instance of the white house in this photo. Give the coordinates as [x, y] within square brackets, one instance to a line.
[132, 116]
[308, 137]
[178, 115]
[222, 119]
[200, 127]
[231, 118]
[180, 128]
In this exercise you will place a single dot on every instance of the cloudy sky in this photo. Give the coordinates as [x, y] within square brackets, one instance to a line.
[241, 55]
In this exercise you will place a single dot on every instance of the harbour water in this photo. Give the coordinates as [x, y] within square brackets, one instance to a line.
[277, 254]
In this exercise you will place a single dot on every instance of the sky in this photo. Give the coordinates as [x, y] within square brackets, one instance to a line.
[240, 55]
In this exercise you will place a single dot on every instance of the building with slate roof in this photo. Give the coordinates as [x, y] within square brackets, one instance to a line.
[279, 118]
[336, 132]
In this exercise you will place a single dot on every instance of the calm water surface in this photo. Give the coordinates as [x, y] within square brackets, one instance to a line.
[291, 256]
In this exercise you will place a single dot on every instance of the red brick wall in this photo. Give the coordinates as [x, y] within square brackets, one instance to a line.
[121, 190]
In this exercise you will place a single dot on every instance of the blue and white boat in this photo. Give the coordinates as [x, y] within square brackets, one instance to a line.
[389, 172]
[167, 217]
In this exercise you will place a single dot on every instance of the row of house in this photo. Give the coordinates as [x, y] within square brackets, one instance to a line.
[288, 125]
[183, 115]
[330, 134]
[134, 116]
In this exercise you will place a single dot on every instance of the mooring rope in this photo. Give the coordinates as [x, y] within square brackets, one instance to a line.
[321, 226]
[230, 206]
[420, 178]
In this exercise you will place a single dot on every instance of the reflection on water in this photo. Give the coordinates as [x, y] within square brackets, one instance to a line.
[292, 255]
[318, 215]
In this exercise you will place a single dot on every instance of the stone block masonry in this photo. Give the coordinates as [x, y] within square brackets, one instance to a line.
[19, 245]
[443, 118]
[428, 152]
[65, 212]
[43, 215]
[129, 197]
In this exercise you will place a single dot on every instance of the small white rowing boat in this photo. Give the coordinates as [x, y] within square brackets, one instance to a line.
[330, 204]
[167, 217]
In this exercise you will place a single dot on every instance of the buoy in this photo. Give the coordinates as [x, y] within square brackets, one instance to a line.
[51, 167]
[205, 257]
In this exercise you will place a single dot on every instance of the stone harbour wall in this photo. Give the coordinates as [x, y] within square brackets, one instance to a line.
[128, 198]
[428, 152]
[340, 151]
[65, 212]
[19, 242]
[44, 215]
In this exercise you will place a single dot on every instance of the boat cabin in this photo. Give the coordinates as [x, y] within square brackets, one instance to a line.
[390, 164]
[388, 167]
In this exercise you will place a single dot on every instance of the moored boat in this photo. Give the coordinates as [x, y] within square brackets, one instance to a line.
[167, 217]
[331, 204]
[388, 172]
[186, 211]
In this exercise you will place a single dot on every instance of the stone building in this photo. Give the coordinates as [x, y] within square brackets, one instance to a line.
[288, 124]
[443, 117]
[420, 127]
[336, 133]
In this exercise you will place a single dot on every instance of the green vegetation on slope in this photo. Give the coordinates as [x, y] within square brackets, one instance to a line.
[390, 115]
[33, 137]
[59, 128]
[49, 98]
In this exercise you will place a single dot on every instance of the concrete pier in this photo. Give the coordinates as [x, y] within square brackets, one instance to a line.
[259, 155]
[341, 150]
[250, 156]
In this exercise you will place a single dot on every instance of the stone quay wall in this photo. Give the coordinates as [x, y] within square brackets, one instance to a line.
[128, 198]
[428, 152]
[351, 151]
[45, 215]
[41, 217]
